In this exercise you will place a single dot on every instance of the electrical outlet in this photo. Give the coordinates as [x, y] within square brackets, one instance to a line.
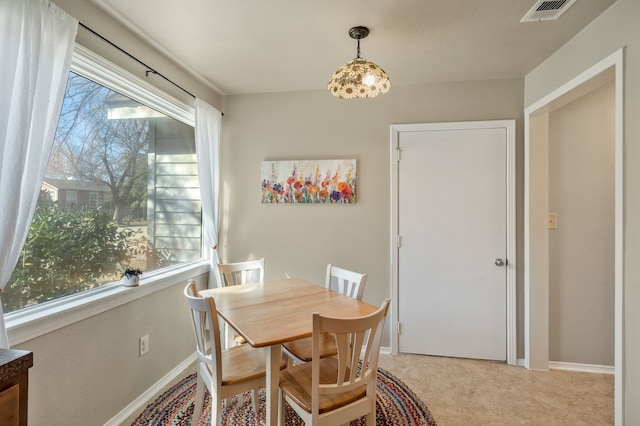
[144, 344]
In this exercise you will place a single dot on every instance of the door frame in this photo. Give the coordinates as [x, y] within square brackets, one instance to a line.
[536, 241]
[510, 163]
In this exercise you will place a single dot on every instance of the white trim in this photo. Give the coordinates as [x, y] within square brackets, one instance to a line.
[97, 69]
[27, 324]
[614, 61]
[509, 126]
[393, 309]
[619, 242]
[146, 396]
[582, 368]
[512, 318]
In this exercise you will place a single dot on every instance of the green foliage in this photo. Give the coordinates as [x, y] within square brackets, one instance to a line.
[66, 252]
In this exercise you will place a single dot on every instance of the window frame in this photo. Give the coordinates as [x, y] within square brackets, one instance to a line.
[71, 204]
[34, 321]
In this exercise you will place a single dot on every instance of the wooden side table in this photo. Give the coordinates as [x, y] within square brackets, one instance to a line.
[14, 386]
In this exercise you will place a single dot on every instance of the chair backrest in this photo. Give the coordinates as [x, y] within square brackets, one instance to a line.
[251, 271]
[358, 343]
[348, 282]
[206, 328]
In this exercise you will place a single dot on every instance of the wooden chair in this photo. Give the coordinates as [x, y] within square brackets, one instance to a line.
[224, 372]
[336, 390]
[348, 283]
[251, 271]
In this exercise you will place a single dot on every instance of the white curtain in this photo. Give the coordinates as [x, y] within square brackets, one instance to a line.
[208, 124]
[36, 45]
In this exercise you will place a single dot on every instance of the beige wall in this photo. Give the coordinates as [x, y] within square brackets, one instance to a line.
[614, 29]
[299, 240]
[87, 372]
[581, 248]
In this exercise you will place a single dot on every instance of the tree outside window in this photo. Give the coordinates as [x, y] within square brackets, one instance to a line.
[128, 175]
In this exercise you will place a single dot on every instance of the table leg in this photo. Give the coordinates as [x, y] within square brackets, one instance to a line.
[274, 354]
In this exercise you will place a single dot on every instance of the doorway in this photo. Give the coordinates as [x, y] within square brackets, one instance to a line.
[453, 213]
[536, 209]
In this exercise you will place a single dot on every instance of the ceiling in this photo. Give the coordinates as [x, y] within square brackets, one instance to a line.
[258, 46]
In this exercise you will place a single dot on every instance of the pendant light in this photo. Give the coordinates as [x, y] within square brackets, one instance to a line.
[358, 78]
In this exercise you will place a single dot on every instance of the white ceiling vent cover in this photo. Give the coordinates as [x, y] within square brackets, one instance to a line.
[547, 10]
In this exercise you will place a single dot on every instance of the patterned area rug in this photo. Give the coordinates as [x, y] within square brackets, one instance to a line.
[396, 405]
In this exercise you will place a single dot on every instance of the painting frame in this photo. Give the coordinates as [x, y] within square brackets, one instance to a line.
[325, 181]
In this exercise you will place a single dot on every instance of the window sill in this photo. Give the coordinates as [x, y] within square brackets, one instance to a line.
[36, 321]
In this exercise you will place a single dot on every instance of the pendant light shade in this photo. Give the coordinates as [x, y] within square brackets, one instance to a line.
[359, 78]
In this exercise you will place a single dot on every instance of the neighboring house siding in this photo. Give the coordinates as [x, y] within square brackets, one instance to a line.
[173, 206]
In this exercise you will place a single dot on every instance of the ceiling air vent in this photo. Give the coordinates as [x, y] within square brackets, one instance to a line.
[547, 10]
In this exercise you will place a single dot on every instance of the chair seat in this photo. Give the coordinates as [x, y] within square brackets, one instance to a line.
[243, 363]
[348, 283]
[295, 382]
[302, 347]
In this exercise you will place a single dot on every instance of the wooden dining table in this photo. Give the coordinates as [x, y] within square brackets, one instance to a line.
[270, 313]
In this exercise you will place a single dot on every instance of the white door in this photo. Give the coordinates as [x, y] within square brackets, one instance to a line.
[452, 238]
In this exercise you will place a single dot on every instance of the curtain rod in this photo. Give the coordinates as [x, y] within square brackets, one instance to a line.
[149, 69]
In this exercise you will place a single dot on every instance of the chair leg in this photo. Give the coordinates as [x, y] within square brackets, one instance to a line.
[254, 401]
[215, 412]
[197, 408]
[227, 338]
[371, 419]
[280, 408]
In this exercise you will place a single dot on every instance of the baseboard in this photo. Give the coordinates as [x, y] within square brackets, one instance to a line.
[584, 368]
[385, 350]
[143, 399]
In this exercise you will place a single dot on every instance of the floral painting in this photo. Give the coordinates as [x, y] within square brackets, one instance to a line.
[309, 181]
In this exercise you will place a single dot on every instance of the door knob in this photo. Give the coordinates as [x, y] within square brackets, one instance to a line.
[500, 262]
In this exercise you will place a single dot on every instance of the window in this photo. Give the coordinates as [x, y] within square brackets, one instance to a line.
[93, 200]
[72, 199]
[124, 158]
